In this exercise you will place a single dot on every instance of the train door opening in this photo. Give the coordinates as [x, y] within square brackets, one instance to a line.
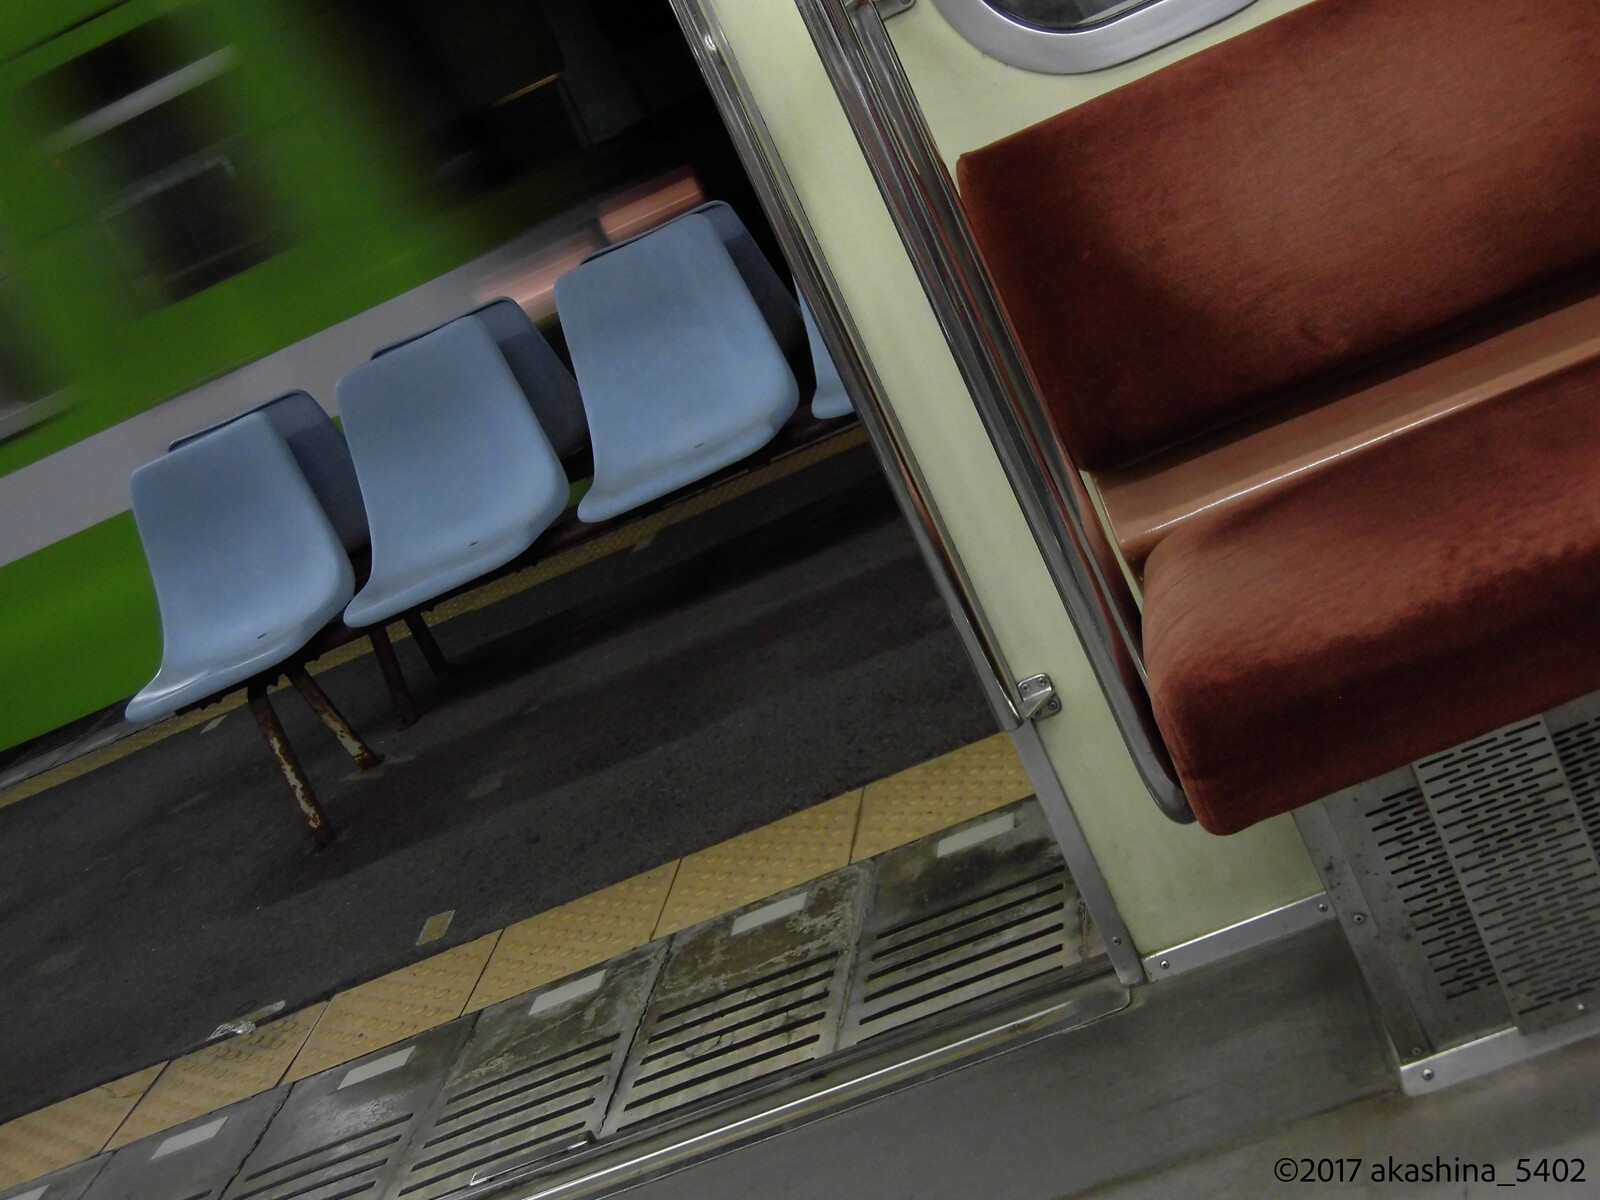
[702, 800]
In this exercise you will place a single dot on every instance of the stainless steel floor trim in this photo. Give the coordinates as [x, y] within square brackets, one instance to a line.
[1207, 1059]
[937, 1052]
[1479, 1057]
[1240, 938]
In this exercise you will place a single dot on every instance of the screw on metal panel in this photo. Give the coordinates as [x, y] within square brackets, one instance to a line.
[1416, 1052]
[1322, 908]
[1054, 706]
[1427, 1074]
[1165, 965]
[1359, 919]
[1116, 941]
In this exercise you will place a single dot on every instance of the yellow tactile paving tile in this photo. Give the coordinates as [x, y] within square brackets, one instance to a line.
[219, 1075]
[937, 794]
[72, 1130]
[754, 865]
[393, 1007]
[587, 931]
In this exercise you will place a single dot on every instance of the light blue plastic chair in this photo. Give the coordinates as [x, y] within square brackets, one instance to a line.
[319, 448]
[247, 568]
[247, 571]
[830, 400]
[774, 300]
[546, 382]
[324, 459]
[544, 378]
[679, 370]
[457, 474]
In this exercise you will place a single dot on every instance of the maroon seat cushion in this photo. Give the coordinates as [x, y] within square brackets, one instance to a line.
[1304, 196]
[1393, 604]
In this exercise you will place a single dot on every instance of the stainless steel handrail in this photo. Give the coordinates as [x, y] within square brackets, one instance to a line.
[871, 84]
[799, 242]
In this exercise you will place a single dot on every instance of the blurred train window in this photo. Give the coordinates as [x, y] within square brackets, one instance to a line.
[143, 117]
[28, 393]
[494, 89]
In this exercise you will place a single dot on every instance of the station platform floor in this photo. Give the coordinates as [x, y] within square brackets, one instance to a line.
[691, 714]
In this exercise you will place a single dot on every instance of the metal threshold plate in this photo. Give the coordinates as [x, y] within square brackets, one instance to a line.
[964, 915]
[194, 1161]
[534, 1081]
[340, 1134]
[741, 999]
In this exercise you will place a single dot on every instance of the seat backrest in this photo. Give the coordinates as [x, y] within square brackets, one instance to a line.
[442, 439]
[830, 399]
[777, 305]
[1303, 199]
[319, 448]
[545, 380]
[233, 534]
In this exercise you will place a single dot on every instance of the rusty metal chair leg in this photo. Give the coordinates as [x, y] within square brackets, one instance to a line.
[423, 636]
[289, 764]
[364, 755]
[383, 650]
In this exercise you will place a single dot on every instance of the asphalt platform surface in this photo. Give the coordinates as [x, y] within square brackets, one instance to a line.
[755, 660]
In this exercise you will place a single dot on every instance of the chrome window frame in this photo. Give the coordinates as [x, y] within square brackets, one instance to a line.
[1116, 39]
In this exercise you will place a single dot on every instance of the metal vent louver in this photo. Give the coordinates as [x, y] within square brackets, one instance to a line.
[193, 1161]
[340, 1134]
[964, 915]
[1411, 850]
[1512, 830]
[1578, 747]
[533, 1081]
[741, 999]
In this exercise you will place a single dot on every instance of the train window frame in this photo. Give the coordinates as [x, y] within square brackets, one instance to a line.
[30, 394]
[1105, 42]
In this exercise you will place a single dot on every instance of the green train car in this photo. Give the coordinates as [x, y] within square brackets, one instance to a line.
[208, 202]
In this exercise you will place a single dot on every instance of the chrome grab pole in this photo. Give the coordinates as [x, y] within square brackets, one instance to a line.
[781, 202]
[878, 100]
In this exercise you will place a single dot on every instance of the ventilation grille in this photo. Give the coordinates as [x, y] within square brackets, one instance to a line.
[340, 1134]
[534, 1080]
[351, 1166]
[965, 915]
[1411, 850]
[1579, 750]
[933, 963]
[734, 1038]
[1512, 830]
[743, 999]
[486, 1129]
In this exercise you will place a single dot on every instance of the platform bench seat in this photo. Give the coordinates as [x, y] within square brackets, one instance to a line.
[1194, 253]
